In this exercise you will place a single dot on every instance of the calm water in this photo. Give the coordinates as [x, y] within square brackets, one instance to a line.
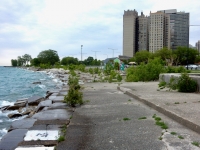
[16, 84]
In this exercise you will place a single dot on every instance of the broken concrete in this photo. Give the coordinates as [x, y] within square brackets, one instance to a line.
[11, 140]
[35, 100]
[59, 114]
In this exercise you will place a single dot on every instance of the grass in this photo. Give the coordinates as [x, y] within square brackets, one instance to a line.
[142, 118]
[160, 138]
[180, 137]
[129, 100]
[173, 133]
[61, 138]
[176, 103]
[157, 118]
[126, 119]
[154, 116]
[195, 143]
[162, 125]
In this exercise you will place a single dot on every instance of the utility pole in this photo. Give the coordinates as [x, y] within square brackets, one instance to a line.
[81, 52]
[95, 54]
[113, 50]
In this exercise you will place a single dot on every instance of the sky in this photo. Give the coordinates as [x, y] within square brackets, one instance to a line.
[31, 26]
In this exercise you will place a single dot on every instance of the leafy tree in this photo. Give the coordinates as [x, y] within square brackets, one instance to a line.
[89, 61]
[48, 56]
[142, 56]
[14, 62]
[69, 60]
[35, 62]
[185, 55]
[20, 61]
[27, 58]
[166, 55]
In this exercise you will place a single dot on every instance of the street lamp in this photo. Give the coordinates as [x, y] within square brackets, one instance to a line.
[113, 50]
[81, 51]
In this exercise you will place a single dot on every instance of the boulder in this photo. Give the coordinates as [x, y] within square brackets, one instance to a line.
[36, 82]
[15, 107]
[35, 100]
[4, 107]
[21, 103]
[14, 115]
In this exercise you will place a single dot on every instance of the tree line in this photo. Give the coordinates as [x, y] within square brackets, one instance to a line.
[50, 57]
[180, 56]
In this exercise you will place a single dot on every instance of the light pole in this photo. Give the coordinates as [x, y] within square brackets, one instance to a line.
[113, 50]
[81, 51]
[95, 53]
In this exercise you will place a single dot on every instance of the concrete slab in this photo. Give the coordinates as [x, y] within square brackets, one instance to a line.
[60, 114]
[45, 127]
[35, 148]
[35, 100]
[51, 122]
[58, 106]
[58, 99]
[43, 104]
[41, 135]
[54, 94]
[52, 97]
[62, 93]
[11, 140]
[22, 124]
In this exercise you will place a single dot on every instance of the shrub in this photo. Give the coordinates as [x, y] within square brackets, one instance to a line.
[186, 84]
[74, 97]
[146, 72]
[119, 78]
[91, 71]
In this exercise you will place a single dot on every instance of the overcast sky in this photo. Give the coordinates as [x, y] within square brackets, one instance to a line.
[31, 26]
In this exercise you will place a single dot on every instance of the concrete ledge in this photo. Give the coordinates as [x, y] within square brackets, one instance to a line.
[167, 113]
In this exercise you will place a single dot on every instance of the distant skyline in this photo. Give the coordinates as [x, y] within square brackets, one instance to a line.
[29, 27]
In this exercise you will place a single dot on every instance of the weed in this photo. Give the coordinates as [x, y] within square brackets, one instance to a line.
[176, 103]
[162, 125]
[160, 138]
[195, 143]
[61, 138]
[185, 102]
[125, 119]
[154, 116]
[71, 117]
[173, 133]
[129, 100]
[142, 118]
[180, 137]
[157, 118]
[86, 101]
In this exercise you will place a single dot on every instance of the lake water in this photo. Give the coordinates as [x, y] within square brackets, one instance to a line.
[16, 83]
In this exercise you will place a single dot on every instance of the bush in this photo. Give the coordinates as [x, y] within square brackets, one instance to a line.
[74, 96]
[186, 84]
[146, 72]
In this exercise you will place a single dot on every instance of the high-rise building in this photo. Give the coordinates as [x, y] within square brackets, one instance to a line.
[198, 46]
[164, 28]
[130, 32]
[143, 32]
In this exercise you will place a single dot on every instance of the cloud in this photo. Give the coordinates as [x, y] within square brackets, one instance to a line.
[28, 27]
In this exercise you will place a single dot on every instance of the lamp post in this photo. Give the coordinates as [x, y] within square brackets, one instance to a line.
[81, 51]
[113, 50]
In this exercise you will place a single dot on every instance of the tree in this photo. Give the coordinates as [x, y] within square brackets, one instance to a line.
[89, 61]
[27, 58]
[48, 56]
[35, 62]
[69, 60]
[20, 61]
[166, 55]
[14, 62]
[142, 56]
[185, 55]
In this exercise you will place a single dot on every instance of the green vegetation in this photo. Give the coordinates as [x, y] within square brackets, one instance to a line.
[157, 118]
[173, 133]
[176, 103]
[61, 138]
[195, 143]
[126, 119]
[141, 118]
[159, 123]
[48, 56]
[74, 96]
[183, 84]
[180, 137]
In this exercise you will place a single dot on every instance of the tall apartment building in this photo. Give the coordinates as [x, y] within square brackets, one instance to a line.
[143, 32]
[130, 32]
[198, 46]
[164, 28]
